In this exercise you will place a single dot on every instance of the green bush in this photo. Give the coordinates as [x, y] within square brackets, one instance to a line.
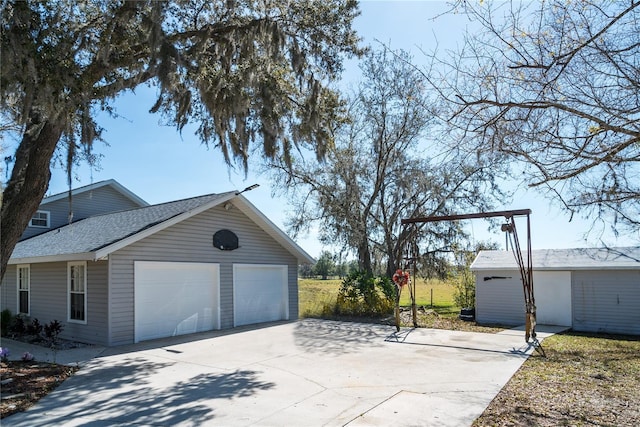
[5, 321]
[464, 294]
[364, 295]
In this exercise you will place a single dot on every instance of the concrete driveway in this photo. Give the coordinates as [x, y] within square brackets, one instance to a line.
[305, 373]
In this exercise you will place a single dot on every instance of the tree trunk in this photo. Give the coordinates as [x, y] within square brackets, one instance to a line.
[28, 183]
[364, 258]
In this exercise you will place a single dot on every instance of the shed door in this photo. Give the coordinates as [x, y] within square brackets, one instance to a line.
[552, 290]
[260, 293]
[175, 298]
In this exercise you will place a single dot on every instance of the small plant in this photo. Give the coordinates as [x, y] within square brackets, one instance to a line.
[27, 357]
[19, 326]
[5, 321]
[34, 328]
[464, 294]
[4, 354]
[52, 330]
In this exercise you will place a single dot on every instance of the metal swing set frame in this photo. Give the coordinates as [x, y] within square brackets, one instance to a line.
[525, 264]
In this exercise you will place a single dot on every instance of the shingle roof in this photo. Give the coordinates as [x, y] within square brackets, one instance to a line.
[563, 259]
[98, 231]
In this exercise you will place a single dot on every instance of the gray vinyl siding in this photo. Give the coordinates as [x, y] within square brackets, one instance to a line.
[606, 301]
[9, 297]
[499, 301]
[49, 299]
[192, 241]
[89, 203]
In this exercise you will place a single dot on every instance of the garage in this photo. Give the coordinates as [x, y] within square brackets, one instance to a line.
[259, 293]
[175, 298]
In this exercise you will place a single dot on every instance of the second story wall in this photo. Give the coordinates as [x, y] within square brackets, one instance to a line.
[96, 201]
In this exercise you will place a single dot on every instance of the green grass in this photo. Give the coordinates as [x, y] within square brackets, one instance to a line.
[314, 294]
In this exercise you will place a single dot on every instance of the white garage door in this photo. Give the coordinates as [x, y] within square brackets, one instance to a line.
[260, 293]
[175, 298]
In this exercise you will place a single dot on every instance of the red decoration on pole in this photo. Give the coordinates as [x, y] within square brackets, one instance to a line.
[401, 278]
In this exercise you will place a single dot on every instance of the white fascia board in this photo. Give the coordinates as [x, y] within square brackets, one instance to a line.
[86, 256]
[270, 228]
[103, 252]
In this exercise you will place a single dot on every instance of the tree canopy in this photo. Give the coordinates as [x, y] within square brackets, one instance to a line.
[247, 74]
[386, 165]
[554, 84]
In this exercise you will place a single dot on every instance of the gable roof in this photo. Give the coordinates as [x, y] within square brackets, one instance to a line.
[563, 259]
[109, 182]
[96, 237]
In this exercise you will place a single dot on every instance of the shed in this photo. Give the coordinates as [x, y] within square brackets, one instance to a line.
[587, 289]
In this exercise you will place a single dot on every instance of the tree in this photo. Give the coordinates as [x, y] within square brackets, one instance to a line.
[383, 168]
[554, 84]
[243, 72]
[325, 265]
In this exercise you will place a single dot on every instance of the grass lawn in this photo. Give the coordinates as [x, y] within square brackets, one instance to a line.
[315, 293]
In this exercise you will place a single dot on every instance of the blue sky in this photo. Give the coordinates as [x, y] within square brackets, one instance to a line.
[160, 165]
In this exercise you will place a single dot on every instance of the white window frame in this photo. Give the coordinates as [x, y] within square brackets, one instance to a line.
[20, 289]
[48, 219]
[82, 264]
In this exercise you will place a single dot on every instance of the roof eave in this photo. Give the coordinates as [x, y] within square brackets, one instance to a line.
[84, 256]
[270, 228]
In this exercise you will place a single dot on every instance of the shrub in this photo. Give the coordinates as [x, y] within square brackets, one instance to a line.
[19, 326]
[34, 328]
[52, 330]
[364, 295]
[464, 294]
[5, 321]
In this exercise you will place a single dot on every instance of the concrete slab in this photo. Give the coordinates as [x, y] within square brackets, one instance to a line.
[305, 373]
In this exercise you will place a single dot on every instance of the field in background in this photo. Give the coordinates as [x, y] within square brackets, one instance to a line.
[315, 293]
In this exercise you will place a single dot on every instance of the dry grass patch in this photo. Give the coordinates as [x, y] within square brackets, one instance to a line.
[584, 380]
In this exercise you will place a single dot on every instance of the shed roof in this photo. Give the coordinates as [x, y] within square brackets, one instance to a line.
[96, 237]
[563, 259]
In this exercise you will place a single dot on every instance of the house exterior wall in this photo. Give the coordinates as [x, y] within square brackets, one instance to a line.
[192, 241]
[9, 290]
[48, 299]
[606, 301]
[499, 301]
[88, 203]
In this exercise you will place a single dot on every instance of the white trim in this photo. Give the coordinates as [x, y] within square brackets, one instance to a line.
[85, 256]
[272, 230]
[41, 226]
[84, 287]
[28, 267]
[110, 182]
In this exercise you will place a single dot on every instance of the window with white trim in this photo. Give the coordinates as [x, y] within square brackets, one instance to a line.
[40, 219]
[77, 297]
[23, 275]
